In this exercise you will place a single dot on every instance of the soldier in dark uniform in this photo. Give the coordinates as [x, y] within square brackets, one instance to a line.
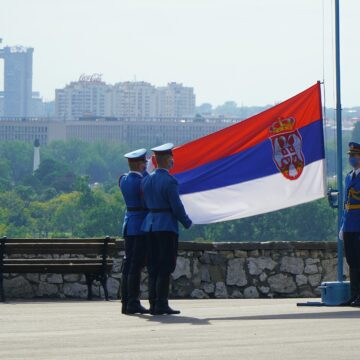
[161, 225]
[135, 242]
[350, 230]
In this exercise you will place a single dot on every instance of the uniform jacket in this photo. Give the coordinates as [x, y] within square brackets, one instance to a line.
[130, 186]
[161, 192]
[351, 217]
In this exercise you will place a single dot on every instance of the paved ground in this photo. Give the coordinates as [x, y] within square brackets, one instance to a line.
[206, 329]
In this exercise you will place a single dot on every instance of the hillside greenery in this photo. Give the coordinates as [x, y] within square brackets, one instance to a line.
[74, 193]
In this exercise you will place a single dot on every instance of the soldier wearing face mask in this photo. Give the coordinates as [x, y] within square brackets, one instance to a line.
[135, 242]
[162, 198]
[350, 230]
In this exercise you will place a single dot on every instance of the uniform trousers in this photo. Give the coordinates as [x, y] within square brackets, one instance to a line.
[162, 249]
[352, 254]
[135, 254]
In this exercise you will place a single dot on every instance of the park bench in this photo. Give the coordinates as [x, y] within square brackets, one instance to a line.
[27, 256]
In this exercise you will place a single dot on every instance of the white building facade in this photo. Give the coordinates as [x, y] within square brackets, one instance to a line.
[85, 97]
[133, 100]
[175, 101]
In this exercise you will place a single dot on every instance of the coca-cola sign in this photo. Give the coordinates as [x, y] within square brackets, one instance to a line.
[91, 78]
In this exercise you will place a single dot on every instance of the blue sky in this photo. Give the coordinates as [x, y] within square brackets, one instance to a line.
[254, 52]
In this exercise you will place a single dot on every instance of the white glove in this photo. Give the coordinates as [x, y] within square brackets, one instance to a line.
[341, 235]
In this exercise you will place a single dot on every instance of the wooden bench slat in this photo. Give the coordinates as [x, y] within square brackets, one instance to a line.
[55, 261]
[58, 244]
[56, 268]
[61, 248]
[61, 240]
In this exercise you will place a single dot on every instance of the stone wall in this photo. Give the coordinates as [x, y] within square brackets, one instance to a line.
[210, 270]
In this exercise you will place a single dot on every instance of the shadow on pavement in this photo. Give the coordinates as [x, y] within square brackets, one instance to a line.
[303, 316]
[175, 319]
[166, 319]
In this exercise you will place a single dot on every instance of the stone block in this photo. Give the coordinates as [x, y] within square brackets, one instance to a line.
[209, 288]
[314, 280]
[236, 273]
[54, 279]
[306, 291]
[228, 254]
[18, 287]
[216, 273]
[258, 265]
[251, 292]
[204, 273]
[301, 280]
[236, 294]
[205, 258]
[311, 261]
[195, 267]
[72, 277]
[264, 289]
[240, 254]
[262, 277]
[292, 265]
[282, 283]
[46, 289]
[75, 290]
[181, 288]
[182, 268]
[218, 259]
[113, 286]
[221, 291]
[35, 278]
[254, 253]
[329, 269]
[198, 294]
[311, 269]
[117, 265]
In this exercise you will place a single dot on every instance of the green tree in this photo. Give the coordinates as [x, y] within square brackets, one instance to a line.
[19, 156]
[56, 175]
[67, 214]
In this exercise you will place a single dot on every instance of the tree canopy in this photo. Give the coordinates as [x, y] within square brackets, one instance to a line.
[74, 193]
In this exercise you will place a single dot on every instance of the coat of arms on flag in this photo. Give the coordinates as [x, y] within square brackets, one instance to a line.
[287, 148]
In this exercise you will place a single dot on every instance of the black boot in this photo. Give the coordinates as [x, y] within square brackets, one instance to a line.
[134, 306]
[162, 291]
[355, 287]
[152, 293]
[124, 293]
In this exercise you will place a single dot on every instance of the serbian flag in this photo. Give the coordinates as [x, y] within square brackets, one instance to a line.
[271, 161]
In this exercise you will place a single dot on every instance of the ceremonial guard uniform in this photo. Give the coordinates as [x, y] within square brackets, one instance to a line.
[135, 244]
[161, 225]
[350, 230]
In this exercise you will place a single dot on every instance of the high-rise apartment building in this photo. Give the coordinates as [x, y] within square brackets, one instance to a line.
[175, 101]
[133, 100]
[17, 96]
[85, 97]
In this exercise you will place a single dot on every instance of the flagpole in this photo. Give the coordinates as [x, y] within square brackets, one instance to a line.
[336, 292]
[339, 139]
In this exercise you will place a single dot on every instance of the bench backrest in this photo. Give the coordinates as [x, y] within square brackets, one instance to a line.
[88, 247]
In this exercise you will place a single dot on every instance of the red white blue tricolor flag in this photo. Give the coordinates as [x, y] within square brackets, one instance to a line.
[271, 161]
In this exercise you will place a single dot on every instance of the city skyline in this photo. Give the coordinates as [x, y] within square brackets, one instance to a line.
[238, 53]
[90, 96]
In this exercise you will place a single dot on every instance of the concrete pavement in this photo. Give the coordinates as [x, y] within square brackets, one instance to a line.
[206, 329]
